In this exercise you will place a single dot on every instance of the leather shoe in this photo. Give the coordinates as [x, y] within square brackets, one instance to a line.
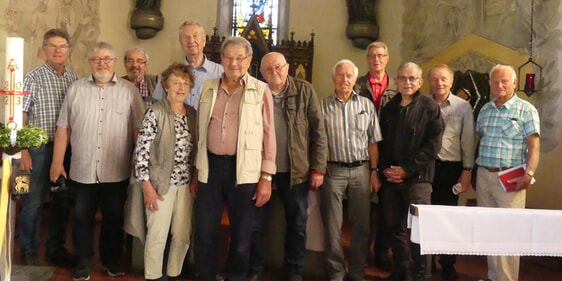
[29, 258]
[60, 256]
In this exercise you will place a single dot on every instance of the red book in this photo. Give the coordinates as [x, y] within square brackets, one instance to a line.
[512, 173]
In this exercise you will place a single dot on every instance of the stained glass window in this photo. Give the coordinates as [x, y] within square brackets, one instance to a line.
[267, 12]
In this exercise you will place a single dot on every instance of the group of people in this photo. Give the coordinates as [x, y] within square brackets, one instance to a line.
[205, 135]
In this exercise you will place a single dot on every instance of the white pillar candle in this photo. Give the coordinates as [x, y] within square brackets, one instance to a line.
[13, 84]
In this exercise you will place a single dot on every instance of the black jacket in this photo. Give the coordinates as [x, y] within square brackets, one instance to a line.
[421, 140]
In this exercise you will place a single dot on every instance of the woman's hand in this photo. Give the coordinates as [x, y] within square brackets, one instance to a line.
[150, 196]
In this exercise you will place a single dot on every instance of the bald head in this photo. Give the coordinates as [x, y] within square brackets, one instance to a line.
[275, 69]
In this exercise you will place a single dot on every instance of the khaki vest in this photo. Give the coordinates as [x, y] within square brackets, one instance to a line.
[250, 130]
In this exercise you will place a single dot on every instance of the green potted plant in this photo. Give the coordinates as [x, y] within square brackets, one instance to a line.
[27, 137]
[147, 19]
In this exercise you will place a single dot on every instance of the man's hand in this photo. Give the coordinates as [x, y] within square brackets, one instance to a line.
[522, 182]
[465, 180]
[374, 181]
[25, 162]
[194, 185]
[150, 196]
[263, 192]
[394, 174]
[316, 180]
[56, 171]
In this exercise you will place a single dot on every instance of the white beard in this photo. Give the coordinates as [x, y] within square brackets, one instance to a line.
[102, 77]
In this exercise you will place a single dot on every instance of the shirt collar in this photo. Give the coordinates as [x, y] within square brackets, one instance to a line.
[204, 66]
[113, 80]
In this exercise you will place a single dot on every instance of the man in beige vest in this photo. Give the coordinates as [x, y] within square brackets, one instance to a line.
[235, 160]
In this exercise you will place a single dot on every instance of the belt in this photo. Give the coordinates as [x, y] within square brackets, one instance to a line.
[495, 170]
[349, 164]
[224, 157]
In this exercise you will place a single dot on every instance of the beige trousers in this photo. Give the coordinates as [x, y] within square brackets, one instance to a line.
[174, 214]
[491, 194]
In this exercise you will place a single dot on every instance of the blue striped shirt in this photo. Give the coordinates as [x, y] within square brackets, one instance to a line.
[504, 132]
[47, 92]
[350, 126]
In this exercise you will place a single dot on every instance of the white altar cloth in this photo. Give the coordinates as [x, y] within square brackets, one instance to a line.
[486, 231]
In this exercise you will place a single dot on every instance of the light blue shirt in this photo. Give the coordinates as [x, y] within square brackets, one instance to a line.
[504, 132]
[208, 70]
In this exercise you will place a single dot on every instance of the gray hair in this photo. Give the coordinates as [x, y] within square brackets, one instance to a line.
[270, 54]
[410, 64]
[102, 46]
[144, 53]
[377, 44]
[344, 61]
[505, 66]
[192, 22]
[237, 41]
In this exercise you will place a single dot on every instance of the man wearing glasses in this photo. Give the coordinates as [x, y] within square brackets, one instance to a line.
[47, 85]
[301, 162]
[99, 118]
[412, 128]
[374, 86]
[235, 160]
[136, 64]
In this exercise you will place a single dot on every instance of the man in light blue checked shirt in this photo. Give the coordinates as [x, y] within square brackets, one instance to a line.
[509, 132]
[353, 131]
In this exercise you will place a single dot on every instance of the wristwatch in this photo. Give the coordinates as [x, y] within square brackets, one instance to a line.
[266, 177]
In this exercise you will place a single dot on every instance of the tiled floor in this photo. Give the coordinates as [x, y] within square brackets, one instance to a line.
[470, 268]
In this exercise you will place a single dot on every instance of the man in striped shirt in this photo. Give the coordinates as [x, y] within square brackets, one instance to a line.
[353, 132]
[100, 118]
[47, 85]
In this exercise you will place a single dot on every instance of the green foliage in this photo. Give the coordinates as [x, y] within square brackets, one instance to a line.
[29, 136]
[153, 5]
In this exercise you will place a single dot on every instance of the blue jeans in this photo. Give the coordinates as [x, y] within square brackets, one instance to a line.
[30, 214]
[222, 189]
[295, 201]
[110, 199]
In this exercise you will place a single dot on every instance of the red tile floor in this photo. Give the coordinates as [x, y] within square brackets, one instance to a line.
[470, 268]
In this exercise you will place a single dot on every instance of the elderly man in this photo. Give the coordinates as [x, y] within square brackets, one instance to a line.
[301, 161]
[192, 39]
[353, 132]
[235, 160]
[412, 128]
[99, 118]
[136, 64]
[375, 86]
[456, 158]
[509, 130]
[47, 85]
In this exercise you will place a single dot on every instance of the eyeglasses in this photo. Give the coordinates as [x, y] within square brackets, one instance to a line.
[132, 61]
[404, 79]
[378, 56]
[106, 60]
[238, 59]
[276, 68]
[55, 47]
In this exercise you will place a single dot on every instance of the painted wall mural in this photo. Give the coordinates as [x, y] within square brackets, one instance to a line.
[30, 19]
[435, 25]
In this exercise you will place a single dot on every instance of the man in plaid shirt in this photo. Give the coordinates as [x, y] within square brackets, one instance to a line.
[47, 85]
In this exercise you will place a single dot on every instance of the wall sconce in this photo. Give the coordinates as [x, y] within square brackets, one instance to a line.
[530, 87]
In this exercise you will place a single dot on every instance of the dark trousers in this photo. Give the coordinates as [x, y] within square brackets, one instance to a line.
[221, 189]
[395, 202]
[30, 215]
[110, 199]
[295, 202]
[446, 175]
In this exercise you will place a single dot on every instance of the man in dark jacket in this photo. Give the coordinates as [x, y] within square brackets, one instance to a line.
[301, 161]
[136, 64]
[412, 128]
